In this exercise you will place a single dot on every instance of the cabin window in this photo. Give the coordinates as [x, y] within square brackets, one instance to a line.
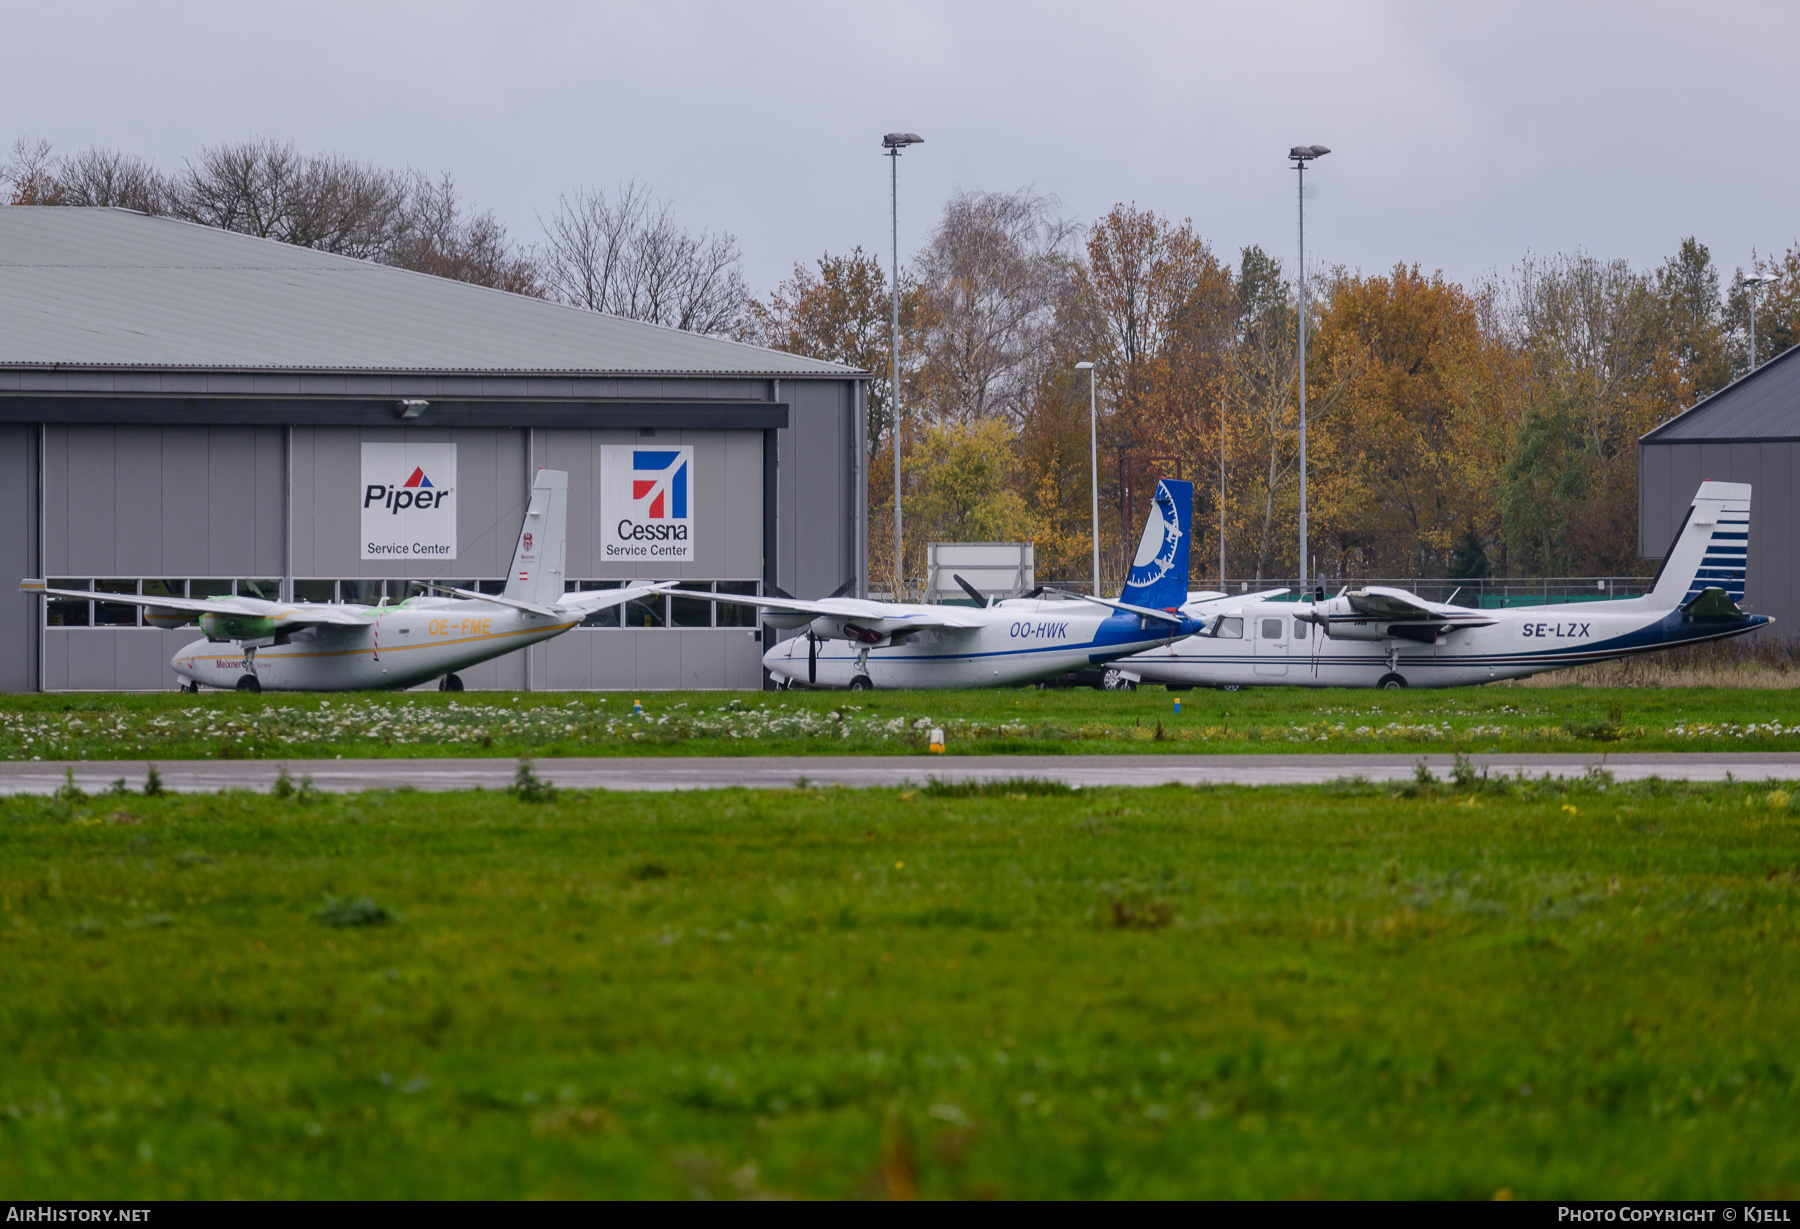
[1271, 629]
[1299, 630]
[1229, 629]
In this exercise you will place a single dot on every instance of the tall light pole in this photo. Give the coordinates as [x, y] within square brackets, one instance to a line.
[894, 142]
[1753, 283]
[1303, 154]
[1093, 466]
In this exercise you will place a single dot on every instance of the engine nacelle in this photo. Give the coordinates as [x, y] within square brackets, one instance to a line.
[218, 627]
[167, 619]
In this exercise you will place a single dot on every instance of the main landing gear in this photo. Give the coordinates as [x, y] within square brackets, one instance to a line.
[192, 687]
[1390, 682]
[450, 682]
[1115, 680]
[861, 682]
[248, 681]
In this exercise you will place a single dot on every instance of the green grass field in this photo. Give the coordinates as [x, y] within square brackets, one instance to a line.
[1443, 991]
[1283, 720]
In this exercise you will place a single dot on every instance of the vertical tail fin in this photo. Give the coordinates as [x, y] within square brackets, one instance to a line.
[1159, 572]
[1711, 549]
[537, 563]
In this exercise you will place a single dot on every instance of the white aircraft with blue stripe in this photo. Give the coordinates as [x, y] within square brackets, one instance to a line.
[1379, 637]
[859, 644]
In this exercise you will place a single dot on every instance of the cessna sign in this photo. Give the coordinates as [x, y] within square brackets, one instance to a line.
[408, 499]
[647, 503]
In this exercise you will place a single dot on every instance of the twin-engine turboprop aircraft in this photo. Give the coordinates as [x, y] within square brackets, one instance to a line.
[860, 644]
[256, 645]
[1389, 638]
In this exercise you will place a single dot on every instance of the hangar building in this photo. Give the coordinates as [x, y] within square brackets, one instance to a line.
[1748, 431]
[190, 411]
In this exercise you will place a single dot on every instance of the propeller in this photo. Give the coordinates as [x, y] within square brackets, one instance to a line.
[812, 657]
[970, 589]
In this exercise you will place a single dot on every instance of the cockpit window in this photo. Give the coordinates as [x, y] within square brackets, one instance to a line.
[1230, 629]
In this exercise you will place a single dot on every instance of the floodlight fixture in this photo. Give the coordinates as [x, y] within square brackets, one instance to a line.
[893, 143]
[1306, 153]
[1084, 366]
[412, 408]
[1754, 282]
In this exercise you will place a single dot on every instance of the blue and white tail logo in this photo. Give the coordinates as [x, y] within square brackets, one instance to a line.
[1711, 549]
[1159, 571]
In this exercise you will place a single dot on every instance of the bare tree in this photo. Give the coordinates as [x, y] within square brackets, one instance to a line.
[435, 235]
[106, 177]
[31, 172]
[629, 256]
[270, 190]
[990, 278]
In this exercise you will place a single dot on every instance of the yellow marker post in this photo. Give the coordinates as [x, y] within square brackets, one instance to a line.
[937, 741]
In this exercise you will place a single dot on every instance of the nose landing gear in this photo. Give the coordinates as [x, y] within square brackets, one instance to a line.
[450, 682]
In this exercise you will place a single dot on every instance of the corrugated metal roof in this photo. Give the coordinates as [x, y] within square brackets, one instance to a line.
[1764, 405]
[112, 288]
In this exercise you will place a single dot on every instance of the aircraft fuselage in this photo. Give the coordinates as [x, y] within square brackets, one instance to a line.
[1274, 649]
[399, 646]
[1021, 641]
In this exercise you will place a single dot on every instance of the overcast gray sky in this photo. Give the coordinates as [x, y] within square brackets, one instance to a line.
[1462, 134]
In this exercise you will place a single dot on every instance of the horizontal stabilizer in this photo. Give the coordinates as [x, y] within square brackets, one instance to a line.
[1712, 604]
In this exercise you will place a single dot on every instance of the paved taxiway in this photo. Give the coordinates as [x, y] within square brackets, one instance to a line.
[774, 772]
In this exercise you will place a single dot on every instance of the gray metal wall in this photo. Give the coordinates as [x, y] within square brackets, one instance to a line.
[1668, 476]
[19, 614]
[211, 501]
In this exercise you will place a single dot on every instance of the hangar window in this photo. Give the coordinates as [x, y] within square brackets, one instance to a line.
[115, 614]
[318, 592]
[689, 611]
[736, 616]
[672, 612]
[66, 611]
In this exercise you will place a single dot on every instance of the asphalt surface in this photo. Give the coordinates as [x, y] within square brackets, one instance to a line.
[775, 772]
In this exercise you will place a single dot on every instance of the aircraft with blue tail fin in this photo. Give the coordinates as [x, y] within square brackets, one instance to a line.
[860, 644]
[1389, 638]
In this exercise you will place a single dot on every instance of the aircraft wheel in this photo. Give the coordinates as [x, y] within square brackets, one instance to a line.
[1231, 686]
[1114, 680]
[861, 682]
[192, 687]
[250, 684]
[1390, 682]
[450, 682]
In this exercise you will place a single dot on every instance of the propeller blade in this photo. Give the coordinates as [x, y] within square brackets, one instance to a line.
[970, 589]
[812, 658]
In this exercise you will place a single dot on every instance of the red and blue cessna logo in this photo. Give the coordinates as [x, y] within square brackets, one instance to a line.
[416, 492]
[659, 497]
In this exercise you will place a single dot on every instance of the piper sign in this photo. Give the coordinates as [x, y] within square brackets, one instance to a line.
[408, 499]
[647, 503]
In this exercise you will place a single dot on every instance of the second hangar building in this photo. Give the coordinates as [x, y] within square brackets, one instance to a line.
[188, 412]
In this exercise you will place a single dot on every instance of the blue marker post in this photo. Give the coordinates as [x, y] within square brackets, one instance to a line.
[1178, 708]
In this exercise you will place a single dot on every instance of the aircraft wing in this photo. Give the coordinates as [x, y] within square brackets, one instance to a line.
[1382, 603]
[243, 607]
[888, 617]
[1141, 611]
[587, 601]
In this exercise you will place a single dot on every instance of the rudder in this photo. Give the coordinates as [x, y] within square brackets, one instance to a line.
[537, 563]
[1711, 549]
[1159, 572]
